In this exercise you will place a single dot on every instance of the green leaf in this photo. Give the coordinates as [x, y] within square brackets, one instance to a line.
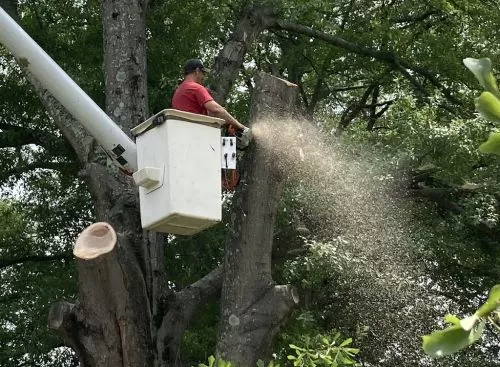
[488, 106]
[492, 145]
[491, 304]
[346, 342]
[293, 346]
[351, 351]
[260, 363]
[452, 319]
[451, 340]
[481, 68]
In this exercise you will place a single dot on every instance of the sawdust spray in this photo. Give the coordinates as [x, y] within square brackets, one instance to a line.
[362, 226]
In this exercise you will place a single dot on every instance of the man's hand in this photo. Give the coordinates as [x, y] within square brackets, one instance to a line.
[217, 110]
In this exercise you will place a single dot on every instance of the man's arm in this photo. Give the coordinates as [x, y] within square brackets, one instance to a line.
[217, 110]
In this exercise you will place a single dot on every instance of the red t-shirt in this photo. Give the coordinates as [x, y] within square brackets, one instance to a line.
[191, 97]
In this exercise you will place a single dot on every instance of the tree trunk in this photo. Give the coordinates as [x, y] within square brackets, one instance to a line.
[111, 324]
[252, 305]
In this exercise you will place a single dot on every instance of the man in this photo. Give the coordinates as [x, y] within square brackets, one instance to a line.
[192, 96]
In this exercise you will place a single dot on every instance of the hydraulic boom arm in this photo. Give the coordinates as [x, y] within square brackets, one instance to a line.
[29, 54]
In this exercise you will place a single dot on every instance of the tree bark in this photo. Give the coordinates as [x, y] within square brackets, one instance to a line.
[252, 305]
[253, 20]
[125, 71]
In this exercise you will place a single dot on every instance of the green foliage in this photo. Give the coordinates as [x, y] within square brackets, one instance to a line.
[305, 344]
[320, 350]
[324, 351]
[451, 340]
[213, 362]
[488, 103]
[463, 332]
[29, 283]
[467, 331]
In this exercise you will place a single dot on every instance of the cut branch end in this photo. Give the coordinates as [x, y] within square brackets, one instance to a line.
[95, 240]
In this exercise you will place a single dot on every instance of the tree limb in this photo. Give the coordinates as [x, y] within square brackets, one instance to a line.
[24, 168]
[416, 17]
[227, 64]
[345, 89]
[112, 308]
[353, 111]
[386, 57]
[17, 136]
[4, 263]
[319, 83]
[182, 306]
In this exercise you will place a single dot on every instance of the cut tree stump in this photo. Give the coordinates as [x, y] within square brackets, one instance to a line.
[253, 307]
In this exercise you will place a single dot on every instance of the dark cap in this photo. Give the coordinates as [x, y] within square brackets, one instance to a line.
[193, 64]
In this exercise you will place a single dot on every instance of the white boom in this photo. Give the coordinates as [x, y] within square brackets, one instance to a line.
[29, 54]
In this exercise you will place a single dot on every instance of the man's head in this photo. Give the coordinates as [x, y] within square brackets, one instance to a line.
[195, 69]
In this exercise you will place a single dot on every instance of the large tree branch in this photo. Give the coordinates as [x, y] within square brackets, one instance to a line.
[386, 57]
[113, 305]
[4, 263]
[17, 136]
[182, 306]
[227, 64]
[25, 168]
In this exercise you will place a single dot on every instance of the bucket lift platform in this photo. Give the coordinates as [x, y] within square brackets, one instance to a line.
[179, 172]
